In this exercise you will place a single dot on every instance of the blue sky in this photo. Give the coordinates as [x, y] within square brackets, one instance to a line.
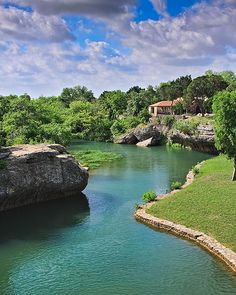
[105, 45]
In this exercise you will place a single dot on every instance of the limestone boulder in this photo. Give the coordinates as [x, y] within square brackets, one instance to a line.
[152, 141]
[36, 173]
[128, 138]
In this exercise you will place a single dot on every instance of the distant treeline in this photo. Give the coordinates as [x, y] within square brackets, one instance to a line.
[76, 113]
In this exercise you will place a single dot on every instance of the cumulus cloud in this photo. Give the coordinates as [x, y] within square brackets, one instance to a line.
[23, 25]
[157, 50]
[201, 31]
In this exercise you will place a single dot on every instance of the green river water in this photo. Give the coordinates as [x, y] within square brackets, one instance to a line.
[75, 247]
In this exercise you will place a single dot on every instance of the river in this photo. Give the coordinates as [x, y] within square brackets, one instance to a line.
[74, 247]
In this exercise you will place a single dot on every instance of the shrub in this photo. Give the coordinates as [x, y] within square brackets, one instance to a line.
[149, 196]
[195, 170]
[186, 127]
[172, 145]
[175, 185]
[168, 120]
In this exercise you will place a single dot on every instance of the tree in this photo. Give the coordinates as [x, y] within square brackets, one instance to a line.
[137, 102]
[202, 89]
[113, 102]
[136, 89]
[230, 78]
[76, 93]
[224, 107]
[174, 89]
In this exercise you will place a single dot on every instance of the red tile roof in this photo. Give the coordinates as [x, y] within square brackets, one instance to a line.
[164, 103]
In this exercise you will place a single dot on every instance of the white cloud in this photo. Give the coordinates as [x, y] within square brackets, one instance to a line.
[199, 39]
[23, 25]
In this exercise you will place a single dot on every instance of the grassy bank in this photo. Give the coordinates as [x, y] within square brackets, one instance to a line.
[94, 158]
[208, 204]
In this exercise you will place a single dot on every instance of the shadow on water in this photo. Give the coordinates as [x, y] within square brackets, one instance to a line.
[38, 221]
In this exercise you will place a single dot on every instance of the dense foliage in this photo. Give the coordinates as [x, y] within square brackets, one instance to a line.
[224, 106]
[73, 114]
[76, 113]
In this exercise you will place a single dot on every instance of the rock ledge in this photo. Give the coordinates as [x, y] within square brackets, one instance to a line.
[36, 173]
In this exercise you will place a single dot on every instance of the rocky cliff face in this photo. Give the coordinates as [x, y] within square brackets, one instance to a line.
[36, 173]
[153, 134]
[202, 141]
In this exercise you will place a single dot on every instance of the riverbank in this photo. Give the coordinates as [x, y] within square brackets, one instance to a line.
[196, 133]
[207, 206]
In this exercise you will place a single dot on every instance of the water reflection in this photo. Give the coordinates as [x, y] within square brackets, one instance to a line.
[38, 221]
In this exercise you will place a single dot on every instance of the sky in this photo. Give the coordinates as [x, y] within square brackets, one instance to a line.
[46, 45]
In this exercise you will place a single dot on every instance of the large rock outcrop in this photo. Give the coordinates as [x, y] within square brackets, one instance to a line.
[153, 134]
[203, 140]
[36, 173]
[128, 138]
[140, 134]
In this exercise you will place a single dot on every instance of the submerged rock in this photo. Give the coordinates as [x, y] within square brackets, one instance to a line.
[36, 173]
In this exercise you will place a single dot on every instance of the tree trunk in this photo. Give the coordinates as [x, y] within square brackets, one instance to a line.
[234, 173]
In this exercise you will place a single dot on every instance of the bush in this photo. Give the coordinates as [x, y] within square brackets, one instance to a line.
[149, 196]
[168, 120]
[175, 185]
[195, 170]
[123, 125]
[172, 145]
[186, 127]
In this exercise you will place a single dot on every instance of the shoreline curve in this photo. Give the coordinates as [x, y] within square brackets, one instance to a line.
[225, 254]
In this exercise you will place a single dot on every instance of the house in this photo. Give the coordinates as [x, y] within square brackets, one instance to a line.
[165, 107]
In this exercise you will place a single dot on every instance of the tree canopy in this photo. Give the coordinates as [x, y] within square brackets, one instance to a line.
[224, 107]
[201, 90]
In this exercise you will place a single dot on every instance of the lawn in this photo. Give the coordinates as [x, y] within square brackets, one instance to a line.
[208, 204]
[94, 158]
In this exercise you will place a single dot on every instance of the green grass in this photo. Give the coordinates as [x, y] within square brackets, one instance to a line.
[94, 158]
[201, 120]
[208, 204]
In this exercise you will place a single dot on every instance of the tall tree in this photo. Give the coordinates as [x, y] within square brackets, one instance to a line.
[114, 102]
[202, 89]
[76, 93]
[224, 107]
[174, 89]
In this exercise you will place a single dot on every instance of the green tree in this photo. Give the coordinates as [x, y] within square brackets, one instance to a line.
[224, 107]
[76, 93]
[202, 89]
[113, 102]
[137, 102]
[174, 89]
[136, 89]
